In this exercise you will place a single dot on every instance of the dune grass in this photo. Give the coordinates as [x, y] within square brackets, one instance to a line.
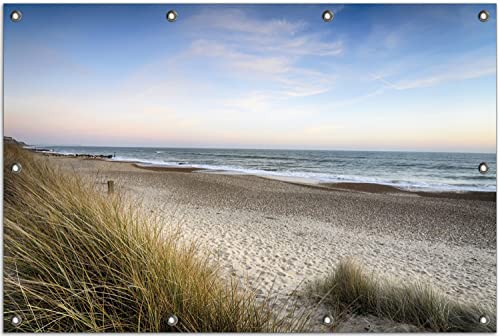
[349, 287]
[76, 259]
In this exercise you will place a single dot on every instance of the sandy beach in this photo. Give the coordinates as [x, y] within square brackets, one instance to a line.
[278, 236]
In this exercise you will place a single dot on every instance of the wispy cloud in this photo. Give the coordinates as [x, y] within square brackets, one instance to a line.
[240, 61]
[461, 68]
[271, 50]
[239, 21]
[282, 36]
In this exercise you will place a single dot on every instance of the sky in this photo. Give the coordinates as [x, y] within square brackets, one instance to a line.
[377, 77]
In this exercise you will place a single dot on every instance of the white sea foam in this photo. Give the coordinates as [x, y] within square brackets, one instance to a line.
[316, 178]
[291, 173]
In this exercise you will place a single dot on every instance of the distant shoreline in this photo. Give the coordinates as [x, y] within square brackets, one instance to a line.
[46, 147]
[373, 188]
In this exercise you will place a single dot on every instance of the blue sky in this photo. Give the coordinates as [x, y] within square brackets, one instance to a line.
[378, 77]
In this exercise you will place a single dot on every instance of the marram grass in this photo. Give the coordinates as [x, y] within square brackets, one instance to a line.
[350, 288]
[76, 259]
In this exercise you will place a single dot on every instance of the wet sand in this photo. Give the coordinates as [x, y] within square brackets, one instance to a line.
[277, 236]
[167, 169]
[385, 189]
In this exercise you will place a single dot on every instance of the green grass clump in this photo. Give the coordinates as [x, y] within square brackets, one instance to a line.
[351, 288]
[76, 259]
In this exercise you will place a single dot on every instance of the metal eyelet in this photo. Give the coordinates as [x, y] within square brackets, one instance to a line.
[483, 16]
[16, 320]
[327, 15]
[172, 16]
[327, 320]
[483, 168]
[16, 16]
[16, 168]
[172, 320]
[484, 320]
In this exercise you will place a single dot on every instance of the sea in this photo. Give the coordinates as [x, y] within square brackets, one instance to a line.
[417, 171]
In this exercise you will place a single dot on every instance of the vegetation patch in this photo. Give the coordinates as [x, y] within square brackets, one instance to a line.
[350, 288]
[77, 259]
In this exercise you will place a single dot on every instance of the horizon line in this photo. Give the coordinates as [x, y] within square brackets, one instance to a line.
[268, 148]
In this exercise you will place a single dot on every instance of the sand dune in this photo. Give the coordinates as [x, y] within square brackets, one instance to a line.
[277, 236]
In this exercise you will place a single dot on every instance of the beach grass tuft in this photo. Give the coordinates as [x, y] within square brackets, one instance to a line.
[78, 259]
[350, 287]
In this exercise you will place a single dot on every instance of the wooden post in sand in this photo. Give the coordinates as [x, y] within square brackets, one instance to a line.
[111, 187]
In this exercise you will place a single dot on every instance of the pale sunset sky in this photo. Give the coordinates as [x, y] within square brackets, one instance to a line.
[378, 77]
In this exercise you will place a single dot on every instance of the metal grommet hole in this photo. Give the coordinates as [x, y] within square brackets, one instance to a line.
[483, 168]
[327, 320]
[484, 320]
[16, 168]
[171, 15]
[483, 16]
[16, 320]
[327, 15]
[172, 320]
[16, 16]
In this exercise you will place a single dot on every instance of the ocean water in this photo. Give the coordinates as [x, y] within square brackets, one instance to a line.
[405, 170]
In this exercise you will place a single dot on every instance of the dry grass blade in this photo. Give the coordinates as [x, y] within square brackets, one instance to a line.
[418, 304]
[77, 259]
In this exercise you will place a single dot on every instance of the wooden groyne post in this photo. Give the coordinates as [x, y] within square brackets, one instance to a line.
[111, 187]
